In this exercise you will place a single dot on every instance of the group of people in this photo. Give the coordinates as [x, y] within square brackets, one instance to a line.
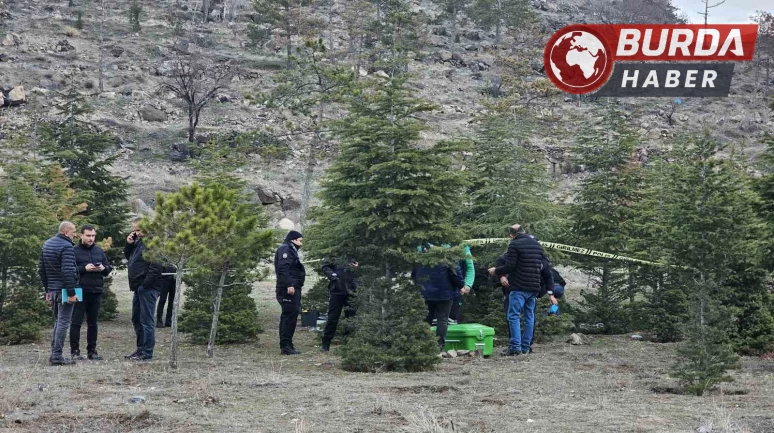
[66, 269]
[524, 272]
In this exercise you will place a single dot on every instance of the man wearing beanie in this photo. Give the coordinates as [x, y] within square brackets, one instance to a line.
[290, 279]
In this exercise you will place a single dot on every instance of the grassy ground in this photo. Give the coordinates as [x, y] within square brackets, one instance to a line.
[606, 386]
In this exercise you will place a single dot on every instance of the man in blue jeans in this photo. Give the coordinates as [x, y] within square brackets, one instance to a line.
[523, 262]
[145, 281]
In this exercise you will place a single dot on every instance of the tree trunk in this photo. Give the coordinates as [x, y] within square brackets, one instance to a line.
[768, 74]
[453, 29]
[192, 121]
[206, 10]
[307, 193]
[175, 310]
[287, 32]
[330, 26]
[101, 48]
[216, 312]
[3, 287]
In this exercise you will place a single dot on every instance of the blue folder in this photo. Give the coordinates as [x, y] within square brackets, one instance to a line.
[78, 294]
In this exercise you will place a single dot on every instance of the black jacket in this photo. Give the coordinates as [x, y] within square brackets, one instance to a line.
[439, 283]
[546, 278]
[557, 278]
[168, 282]
[91, 282]
[57, 267]
[141, 272]
[341, 279]
[523, 261]
[290, 272]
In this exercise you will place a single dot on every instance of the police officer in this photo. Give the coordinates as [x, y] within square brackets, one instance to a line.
[341, 288]
[290, 279]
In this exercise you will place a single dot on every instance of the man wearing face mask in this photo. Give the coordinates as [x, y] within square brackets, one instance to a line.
[93, 267]
[290, 279]
[58, 271]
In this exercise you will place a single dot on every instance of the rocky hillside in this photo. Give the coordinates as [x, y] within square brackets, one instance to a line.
[41, 50]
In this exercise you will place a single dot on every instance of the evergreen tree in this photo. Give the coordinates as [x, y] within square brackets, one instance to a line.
[764, 186]
[451, 10]
[286, 16]
[399, 36]
[186, 225]
[382, 197]
[603, 216]
[706, 354]
[220, 290]
[84, 153]
[500, 14]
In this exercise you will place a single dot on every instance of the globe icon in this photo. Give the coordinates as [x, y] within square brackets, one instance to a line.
[578, 59]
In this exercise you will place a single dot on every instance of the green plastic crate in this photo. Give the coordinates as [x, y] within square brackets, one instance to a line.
[469, 336]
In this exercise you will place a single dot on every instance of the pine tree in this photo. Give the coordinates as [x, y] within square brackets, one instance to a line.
[186, 225]
[602, 217]
[451, 10]
[500, 14]
[383, 196]
[707, 354]
[220, 289]
[309, 89]
[764, 186]
[399, 35]
[84, 153]
[286, 16]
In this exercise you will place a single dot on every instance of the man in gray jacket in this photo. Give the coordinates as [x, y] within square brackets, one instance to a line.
[58, 271]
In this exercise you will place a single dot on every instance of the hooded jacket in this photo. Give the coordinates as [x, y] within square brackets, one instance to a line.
[57, 268]
[91, 282]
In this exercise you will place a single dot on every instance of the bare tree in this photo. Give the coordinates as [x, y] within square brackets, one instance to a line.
[103, 7]
[635, 11]
[764, 49]
[707, 8]
[196, 82]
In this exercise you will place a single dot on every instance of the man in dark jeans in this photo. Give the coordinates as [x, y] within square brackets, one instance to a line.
[523, 262]
[439, 283]
[342, 285]
[93, 266]
[167, 292]
[145, 281]
[290, 280]
[58, 272]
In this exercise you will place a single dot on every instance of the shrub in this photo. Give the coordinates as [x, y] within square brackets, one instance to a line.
[24, 315]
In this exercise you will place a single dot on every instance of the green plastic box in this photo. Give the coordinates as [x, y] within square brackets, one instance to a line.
[470, 336]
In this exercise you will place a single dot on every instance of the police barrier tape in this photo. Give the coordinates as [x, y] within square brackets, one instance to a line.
[552, 245]
[567, 248]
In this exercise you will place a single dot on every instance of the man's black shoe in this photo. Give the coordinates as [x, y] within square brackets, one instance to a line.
[137, 358]
[168, 325]
[94, 356]
[325, 348]
[159, 324]
[511, 352]
[290, 352]
[133, 354]
[77, 356]
[61, 361]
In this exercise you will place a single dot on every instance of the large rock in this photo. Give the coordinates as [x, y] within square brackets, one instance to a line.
[578, 339]
[286, 224]
[381, 74]
[151, 114]
[473, 35]
[265, 196]
[139, 207]
[17, 96]
[290, 204]
[64, 46]
[11, 40]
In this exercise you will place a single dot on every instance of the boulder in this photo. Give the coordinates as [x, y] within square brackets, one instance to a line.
[181, 46]
[11, 40]
[177, 156]
[151, 114]
[577, 339]
[165, 68]
[290, 204]
[139, 207]
[64, 46]
[636, 337]
[440, 31]
[4, 57]
[381, 74]
[464, 352]
[265, 196]
[116, 51]
[471, 47]
[473, 35]
[286, 224]
[17, 96]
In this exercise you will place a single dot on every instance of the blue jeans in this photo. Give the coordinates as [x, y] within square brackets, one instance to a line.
[144, 320]
[63, 314]
[521, 339]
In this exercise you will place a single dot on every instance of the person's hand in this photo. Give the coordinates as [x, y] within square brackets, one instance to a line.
[49, 299]
[465, 290]
[91, 268]
[553, 300]
[72, 299]
[130, 239]
[504, 281]
[492, 270]
[101, 268]
[291, 291]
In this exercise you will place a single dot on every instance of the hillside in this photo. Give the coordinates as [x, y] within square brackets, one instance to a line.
[41, 51]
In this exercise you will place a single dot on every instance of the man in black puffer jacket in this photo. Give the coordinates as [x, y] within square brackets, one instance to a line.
[145, 281]
[93, 267]
[523, 262]
[290, 279]
[341, 287]
[58, 271]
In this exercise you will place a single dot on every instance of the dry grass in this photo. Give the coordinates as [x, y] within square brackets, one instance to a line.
[71, 31]
[601, 387]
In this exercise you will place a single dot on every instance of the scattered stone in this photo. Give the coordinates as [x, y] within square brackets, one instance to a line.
[151, 114]
[17, 96]
[223, 98]
[440, 31]
[181, 46]
[165, 68]
[704, 429]
[4, 57]
[530, 420]
[452, 353]
[636, 337]
[577, 339]
[286, 224]
[661, 113]
[473, 35]
[567, 99]
[64, 46]
[11, 40]
[381, 74]
[362, 72]
[471, 47]
[108, 95]
[177, 156]
[137, 399]
[116, 51]
[463, 352]
[290, 204]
